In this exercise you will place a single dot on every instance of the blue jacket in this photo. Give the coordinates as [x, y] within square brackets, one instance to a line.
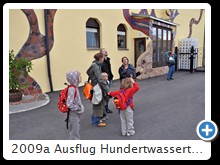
[170, 59]
[123, 73]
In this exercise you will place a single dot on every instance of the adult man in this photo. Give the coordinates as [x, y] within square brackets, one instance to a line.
[170, 55]
[106, 67]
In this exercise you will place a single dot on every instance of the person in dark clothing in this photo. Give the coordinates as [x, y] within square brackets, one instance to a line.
[127, 70]
[106, 67]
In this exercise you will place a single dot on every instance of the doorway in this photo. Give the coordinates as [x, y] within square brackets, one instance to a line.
[139, 48]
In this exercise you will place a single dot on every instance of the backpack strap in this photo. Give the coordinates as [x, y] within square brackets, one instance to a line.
[67, 118]
[88, 79]
[129, 100]
[68, 112]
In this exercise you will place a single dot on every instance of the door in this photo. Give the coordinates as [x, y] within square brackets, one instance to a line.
[139, 47]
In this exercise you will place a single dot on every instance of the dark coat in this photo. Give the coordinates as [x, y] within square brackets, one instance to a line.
[123, 73]
[106, 67]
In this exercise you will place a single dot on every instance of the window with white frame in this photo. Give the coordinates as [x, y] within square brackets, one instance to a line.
[92, 34]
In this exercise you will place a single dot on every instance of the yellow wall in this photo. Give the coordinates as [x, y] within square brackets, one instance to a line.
[70, 42]
[183, 30]
[69, 50]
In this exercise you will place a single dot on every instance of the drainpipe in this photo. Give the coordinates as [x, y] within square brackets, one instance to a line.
[47, 49]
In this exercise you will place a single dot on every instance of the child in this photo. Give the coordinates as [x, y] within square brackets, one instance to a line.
[105, 78]
[126, 116]
[75, 105]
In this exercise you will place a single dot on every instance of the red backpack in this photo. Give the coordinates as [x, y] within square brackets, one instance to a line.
[120, 101]
[63, 98]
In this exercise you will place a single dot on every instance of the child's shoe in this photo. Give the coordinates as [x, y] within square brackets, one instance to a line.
[105, 118]
[126, 134]
[123, 134]
[101, 124]
[131, 133]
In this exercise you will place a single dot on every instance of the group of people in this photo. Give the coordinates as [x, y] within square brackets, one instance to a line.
[100, 73]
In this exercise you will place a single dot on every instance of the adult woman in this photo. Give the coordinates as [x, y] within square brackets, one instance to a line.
[95, 75]
[127, 70]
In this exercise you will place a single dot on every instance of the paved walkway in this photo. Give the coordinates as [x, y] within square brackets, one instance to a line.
[164, 110]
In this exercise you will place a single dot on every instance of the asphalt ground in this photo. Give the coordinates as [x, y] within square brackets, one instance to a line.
[164, 110]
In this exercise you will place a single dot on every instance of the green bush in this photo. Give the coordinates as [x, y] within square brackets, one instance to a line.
[16, 67]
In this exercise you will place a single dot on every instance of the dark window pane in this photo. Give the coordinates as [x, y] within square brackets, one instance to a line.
[121, 28]
[159, 45]
[121, 39]
[162, 39]
[92, 23]
[121, 36]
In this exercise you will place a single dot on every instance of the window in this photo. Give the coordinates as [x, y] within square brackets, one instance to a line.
[92, 34]
[121, 36]
[162, 42]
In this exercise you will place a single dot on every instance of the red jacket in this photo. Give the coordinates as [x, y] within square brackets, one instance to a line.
[128, 93]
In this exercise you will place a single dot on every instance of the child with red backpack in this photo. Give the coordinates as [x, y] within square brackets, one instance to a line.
[128, 88]
[74, 105]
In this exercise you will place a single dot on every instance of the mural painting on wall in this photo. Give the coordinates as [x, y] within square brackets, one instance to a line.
[145, 26]
[172, 13]
[194, 21]
[142, 24]
[35, 47]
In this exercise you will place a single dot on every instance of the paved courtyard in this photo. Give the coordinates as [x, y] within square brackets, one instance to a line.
[164, 110]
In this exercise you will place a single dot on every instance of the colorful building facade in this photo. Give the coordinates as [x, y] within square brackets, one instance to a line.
[60, 40]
